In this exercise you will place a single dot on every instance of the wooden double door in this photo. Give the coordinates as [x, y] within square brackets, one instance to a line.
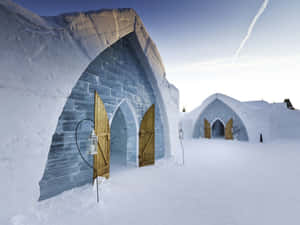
[146, 155]
[227, 131]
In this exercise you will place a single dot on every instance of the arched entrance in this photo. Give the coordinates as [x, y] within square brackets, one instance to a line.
[117, 74]
[118, 141]
[218, 129]
[123, 145]
[232, 124]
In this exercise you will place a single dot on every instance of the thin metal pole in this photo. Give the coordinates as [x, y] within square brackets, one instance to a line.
[182, 151]
[181, 136]
[97, 189]
[78, 148]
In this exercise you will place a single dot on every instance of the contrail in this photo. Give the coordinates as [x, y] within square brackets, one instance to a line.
[259, 13]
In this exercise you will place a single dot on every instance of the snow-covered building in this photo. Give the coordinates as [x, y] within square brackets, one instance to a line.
[56, 71]
[220, 116]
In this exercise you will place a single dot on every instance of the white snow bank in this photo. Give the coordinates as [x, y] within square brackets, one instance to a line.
[22, 12]
[222, 182]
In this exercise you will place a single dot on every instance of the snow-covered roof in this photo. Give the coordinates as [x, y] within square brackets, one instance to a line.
[261, 103]
[43, 57]
[234, 104]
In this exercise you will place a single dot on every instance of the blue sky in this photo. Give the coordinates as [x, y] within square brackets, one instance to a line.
[198, 38]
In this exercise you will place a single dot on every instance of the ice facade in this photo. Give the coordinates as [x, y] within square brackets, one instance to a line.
[120, 80]
[217, 110]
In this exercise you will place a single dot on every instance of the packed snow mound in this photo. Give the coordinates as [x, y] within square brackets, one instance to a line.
[273, 120]
[23, 14]
[41, 59]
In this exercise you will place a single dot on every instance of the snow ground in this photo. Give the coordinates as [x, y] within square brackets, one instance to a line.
[221, 183]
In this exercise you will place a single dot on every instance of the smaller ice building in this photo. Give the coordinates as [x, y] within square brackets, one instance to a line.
[220, 116]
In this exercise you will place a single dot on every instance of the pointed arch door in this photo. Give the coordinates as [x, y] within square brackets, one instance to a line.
[102, 130]
[228, 130]
[147, 138]
[207, 129]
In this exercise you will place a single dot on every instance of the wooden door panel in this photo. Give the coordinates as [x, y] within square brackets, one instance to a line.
[102, 130]
[207, 129]
[228, 130]
[147, 138]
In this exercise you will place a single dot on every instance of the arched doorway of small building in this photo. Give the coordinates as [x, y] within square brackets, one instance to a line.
[123, 138]
[218, 129]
